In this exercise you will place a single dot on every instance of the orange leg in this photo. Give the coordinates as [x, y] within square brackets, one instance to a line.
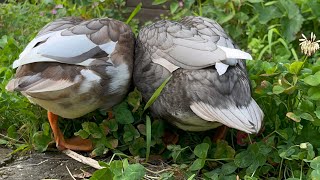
[220, 133]
[75, 143]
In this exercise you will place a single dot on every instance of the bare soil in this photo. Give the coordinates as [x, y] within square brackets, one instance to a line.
[48, 165]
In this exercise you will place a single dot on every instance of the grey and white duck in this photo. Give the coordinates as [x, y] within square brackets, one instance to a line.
[73, 67]
[209, 86]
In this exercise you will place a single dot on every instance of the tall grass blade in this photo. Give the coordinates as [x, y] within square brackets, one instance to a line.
[134, 13]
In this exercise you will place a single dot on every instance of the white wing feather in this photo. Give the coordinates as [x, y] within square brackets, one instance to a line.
[65, 46]
[235, 53]
[61, 47]
[247, 119]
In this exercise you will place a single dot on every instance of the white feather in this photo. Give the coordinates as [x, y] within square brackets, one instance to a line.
[235, 53]
[221, 68]
[196, 58]
[36, 40]
[90, 75]
[166, 64]
[66, 46]
[120, 76]
[90, 78]
[108, 47]
[33, 57]
[247, 119]
[55, 45]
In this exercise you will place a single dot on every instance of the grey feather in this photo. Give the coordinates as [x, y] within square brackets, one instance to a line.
[186, 44]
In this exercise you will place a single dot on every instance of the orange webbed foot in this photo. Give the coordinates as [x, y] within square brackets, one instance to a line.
[76, 143]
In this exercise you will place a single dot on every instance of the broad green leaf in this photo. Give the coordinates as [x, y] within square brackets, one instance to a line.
[306, 116]
[103, 164]
[134, 172]
[92, 129]
[295, 67]
[315, 163]
[122, 113]
[307, 106]
[312, 80]
[243, 159]
[197, 164]
[100, 174]
[125, 163]
[267, 13]
[308, 133]
[41, 141]
[291, 27]
[228, 168]
[46, 128]
[12, 132]
[3, 142]
[223, 150]
[277, 89]
[314, 93]
[134, 99]
[286, 153]
[111, 124]
[290, 7]
[174, 6]
[317, 112]
[137, 148]
[201, 150]
[259, 160]
[157, 128]
[314, 6]
[116, 167]
[82, 133]
[315, 174]
[311, 152]
[99, 150]
[293, 116]
[130, 133]
[142, 129]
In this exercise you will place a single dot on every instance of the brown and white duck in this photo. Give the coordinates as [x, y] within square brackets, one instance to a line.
[209, 84]
[73, 67]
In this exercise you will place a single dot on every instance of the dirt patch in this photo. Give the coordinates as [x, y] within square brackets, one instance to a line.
[48, 165]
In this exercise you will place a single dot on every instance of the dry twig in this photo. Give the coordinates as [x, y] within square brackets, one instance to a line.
[70, 173]
[85, 160]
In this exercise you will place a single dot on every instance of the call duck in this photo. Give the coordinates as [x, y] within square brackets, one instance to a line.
[73, 67]
[209, 85]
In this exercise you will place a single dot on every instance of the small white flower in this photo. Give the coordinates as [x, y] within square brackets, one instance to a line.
[309, 47]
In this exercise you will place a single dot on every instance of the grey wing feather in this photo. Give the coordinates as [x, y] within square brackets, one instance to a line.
[192, 38]
[179, 45]
[60, 24]
[71, 42]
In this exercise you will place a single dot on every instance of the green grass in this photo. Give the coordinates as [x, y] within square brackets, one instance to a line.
[285, 84]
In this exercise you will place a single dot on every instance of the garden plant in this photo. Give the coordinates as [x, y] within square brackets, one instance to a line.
[285, 81]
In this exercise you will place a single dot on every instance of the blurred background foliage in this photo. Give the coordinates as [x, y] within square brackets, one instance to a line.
[285, 83]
